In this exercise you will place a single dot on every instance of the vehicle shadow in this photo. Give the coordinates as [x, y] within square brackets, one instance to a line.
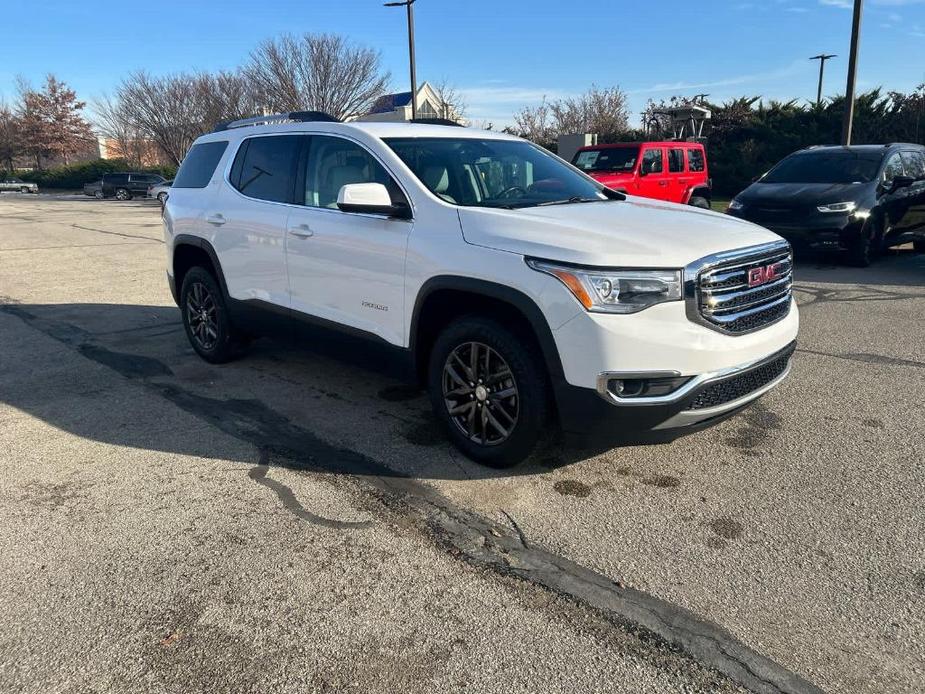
[294, 403]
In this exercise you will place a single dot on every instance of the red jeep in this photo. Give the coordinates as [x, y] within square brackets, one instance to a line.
[672, 171]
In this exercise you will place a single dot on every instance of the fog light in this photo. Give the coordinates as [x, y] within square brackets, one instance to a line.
[645, 387]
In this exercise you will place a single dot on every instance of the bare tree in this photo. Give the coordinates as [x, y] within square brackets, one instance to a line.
[450, 102]
[116, 125]
[535, 124]
[10, 137]
[318, 72]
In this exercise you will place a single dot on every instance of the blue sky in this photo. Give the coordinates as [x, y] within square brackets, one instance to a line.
[500, 54]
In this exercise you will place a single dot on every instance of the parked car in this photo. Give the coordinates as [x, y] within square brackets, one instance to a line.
[160, 191]
[18, 185]
[125, 186]
[94, 190]
[672, 171]
[519, 290]
[860, 199]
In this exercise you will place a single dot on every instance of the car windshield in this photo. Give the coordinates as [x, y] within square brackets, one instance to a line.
[607, 159]
[493, 173]
[825, 167]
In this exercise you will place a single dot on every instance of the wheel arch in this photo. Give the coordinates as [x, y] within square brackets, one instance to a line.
[445, 297]
[190, 251]
[701, 191]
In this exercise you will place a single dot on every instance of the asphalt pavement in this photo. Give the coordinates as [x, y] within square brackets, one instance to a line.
[294, 522]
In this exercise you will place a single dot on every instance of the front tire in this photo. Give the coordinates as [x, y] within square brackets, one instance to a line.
[489, 389]
[205, 318]
[25, 189]
[868, 244]
[123, 194]
[162, 198]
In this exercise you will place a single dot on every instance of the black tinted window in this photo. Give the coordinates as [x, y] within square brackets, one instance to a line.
[914, 164]
[652, 161]
[825, 167]
[197, 169]
[116, 178]
[675, 160]
[694, 160]
[265, 167]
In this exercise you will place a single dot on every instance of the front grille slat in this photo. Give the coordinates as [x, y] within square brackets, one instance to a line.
[723, 300]
[743, 384]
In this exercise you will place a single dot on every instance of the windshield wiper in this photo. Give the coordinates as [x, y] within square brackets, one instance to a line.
[570, 201]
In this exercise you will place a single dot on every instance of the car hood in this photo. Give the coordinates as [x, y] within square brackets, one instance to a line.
[636, 232]
[801, 194]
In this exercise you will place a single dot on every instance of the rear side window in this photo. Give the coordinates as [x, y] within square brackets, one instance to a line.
[695, 160]
[197, 169]
[264, 167]
[675, 160]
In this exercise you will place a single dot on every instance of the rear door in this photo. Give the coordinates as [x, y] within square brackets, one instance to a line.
[914, 165]
[678, 178]
[246, 219]
[653, 177]
[347, 267]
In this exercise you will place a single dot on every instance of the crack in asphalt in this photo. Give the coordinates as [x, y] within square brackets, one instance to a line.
[116, 233]
[259, 473]
[462, 533]
[821, 295]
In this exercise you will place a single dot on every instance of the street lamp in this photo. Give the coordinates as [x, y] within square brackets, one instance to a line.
[409, 4]
[852, 71]
[822, 57]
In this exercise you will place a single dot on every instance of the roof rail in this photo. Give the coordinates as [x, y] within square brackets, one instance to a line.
[436, 121]
[292, 117]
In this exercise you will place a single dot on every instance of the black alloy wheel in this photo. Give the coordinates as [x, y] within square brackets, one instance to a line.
[202, 316]
[205, 318]
[123, 194]
[480, 394]
[489, 389]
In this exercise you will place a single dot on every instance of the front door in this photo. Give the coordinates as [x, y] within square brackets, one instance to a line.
[653, 181]
[346, 267]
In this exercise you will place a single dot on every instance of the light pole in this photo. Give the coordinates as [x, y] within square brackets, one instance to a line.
[852, 72]
[822, 57]
[409, 4]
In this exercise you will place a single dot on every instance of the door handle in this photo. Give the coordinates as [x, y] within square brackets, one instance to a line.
[303, 231]
[216, 220]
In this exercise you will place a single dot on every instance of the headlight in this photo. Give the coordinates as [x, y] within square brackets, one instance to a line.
[615, 291]
[843, 207]
[735, 205]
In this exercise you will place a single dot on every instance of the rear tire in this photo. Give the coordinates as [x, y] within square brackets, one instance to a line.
[499, 397]
[697, 201]
[206, 319]
[123, 194]
[98, 194]
[24, 189]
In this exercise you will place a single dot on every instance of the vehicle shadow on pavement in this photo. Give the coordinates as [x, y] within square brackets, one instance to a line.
[294, 402]
[896, 267]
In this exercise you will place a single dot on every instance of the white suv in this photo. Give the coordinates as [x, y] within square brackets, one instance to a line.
[518, 289]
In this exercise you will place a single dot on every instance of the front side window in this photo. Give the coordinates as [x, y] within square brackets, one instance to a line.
[264, 167]
[675, 160]
[607, 159]
[493, 173]
[695, 160]
[825, 167]
[652, 161]
[199, 165]
[334, 162]
[914, 164]
[893, 168]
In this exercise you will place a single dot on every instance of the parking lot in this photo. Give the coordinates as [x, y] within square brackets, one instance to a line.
[294, 522]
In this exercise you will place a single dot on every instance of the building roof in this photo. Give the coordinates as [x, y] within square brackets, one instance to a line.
[389, 102]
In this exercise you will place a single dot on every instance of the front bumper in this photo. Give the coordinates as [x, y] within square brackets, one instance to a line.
[598, 416]
[819, 231]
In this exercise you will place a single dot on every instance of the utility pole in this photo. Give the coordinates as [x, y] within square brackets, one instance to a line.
[822, 57]
[409, 4]
[852, 73]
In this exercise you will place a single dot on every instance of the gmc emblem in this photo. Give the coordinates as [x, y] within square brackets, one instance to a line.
[763, 274]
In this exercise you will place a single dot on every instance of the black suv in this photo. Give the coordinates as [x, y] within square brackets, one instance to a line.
[124, 186]
[860, 199]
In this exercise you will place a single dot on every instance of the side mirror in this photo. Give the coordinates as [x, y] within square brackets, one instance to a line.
[900, 182]
[370, 198]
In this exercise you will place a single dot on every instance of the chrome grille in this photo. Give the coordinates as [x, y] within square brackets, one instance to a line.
[718, 294]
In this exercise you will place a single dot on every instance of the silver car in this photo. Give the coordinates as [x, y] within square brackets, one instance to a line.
[17, 185]
[160, 191]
